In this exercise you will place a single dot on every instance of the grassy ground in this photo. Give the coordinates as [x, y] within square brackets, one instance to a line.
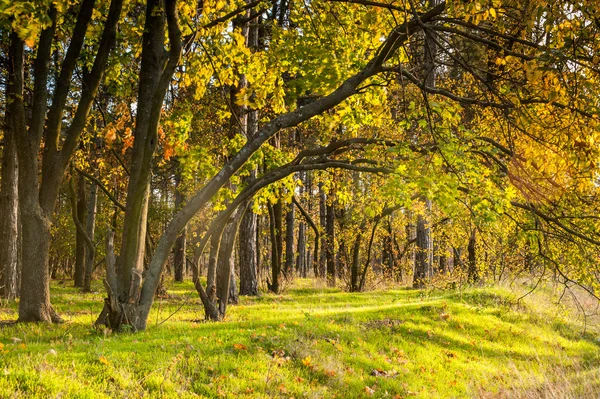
[306, 343]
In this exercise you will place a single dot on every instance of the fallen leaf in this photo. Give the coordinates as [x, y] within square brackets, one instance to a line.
[103, 360]
[369, 391]
[384, 373]
[240, 347]
[278, 353]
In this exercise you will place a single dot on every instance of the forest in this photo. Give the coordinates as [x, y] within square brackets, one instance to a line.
[300, 199]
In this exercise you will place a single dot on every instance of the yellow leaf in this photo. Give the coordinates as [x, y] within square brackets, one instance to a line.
[110, 136]
[307, 361]
[103, 360]
[493, 12]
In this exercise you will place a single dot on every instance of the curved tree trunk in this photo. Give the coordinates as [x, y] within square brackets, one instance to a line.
[225, 281]
[216, 300]
[398, 36]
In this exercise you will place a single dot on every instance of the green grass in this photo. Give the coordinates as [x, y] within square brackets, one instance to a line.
[305, 343]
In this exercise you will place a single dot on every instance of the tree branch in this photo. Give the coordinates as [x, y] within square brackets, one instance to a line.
[102, 187]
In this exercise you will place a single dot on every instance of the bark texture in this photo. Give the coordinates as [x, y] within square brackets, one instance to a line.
[248, 254]
[9, 220]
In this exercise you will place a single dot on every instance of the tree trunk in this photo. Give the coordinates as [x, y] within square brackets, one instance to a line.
[9, 220]
[34, 304]
[443, 258]
[472, 273]
[323, 222]
[248, 253]
[234, 296]
[301, 266]
[388, 256]
[275, 227]
[310, 258]
[215, 306]
[289, 241]
[355, 268]
[180, 244]
[330, 236]
[226, 267]
[424, 253]
[90, 256]
[457, 258]
[211, 272]
[80, 244]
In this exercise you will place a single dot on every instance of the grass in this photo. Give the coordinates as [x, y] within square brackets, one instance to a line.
[306, 343]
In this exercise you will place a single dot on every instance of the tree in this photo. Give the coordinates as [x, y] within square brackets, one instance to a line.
[9, 219]
[37, 200]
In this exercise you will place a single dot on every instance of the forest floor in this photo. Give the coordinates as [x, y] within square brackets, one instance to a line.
[309, 342]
